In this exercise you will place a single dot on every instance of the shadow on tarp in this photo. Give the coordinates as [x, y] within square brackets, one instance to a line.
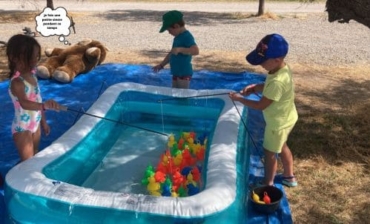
[86, 88]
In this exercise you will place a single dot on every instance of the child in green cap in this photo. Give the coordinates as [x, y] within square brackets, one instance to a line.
[183, 48]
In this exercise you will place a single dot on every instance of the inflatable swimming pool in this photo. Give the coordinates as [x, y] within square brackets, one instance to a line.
[91, 173]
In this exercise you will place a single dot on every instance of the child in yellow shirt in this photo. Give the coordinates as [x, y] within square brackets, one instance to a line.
[277, 105]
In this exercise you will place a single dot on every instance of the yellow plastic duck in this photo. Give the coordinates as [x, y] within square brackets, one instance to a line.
[153, 187]
[190, 140]
[171, 141]
[186, 135]
[177, 159]
[256, 198]
[166, 158]
[190, 180]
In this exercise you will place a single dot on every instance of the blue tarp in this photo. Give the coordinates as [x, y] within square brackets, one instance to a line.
[86, 88]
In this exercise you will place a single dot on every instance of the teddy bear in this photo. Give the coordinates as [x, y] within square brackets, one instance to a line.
[64, 65]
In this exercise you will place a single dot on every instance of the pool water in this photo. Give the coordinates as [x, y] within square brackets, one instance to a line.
[114, 155]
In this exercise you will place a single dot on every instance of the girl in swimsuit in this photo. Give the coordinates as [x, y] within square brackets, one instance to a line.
[23, 54]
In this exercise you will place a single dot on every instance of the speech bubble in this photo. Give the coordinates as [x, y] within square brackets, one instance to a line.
[63, 39]
[53, 22]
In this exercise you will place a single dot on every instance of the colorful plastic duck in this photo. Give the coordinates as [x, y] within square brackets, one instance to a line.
[266, 198]
[177, 178]
[171, 141]
[177, 160]
[190, 180]
[192, 189]
[159, 177]
[256, 198]
[153, 187]
[196, 173]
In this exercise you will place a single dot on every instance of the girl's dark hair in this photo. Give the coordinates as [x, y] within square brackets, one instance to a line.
[20, 47]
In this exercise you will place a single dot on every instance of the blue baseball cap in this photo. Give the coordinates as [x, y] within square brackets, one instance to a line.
[271, 46]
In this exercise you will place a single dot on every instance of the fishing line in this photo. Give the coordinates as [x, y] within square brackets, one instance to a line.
[188, 97]
[111, 120]
[244, 124]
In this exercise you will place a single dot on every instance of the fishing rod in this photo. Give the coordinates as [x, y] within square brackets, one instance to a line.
[64, 108]
[188, 97]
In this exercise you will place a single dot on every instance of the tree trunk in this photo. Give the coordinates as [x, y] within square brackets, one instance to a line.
[261, 7]
[50, 4]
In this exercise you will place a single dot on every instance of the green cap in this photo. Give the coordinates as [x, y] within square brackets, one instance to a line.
[170, 18]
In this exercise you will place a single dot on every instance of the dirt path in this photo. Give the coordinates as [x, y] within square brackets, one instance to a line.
[276, 7]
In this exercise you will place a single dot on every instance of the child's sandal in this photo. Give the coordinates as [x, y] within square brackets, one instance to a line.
[287, 181]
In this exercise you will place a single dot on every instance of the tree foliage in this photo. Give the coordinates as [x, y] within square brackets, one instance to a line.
[343, 11]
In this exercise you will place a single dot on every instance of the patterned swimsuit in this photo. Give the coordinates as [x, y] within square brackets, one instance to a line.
[26, 120]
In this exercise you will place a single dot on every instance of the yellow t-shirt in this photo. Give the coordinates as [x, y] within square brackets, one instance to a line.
[279, 87]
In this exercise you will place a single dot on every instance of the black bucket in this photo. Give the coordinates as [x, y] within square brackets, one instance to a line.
[275, 195]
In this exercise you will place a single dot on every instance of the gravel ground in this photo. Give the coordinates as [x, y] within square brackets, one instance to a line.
[216, 26]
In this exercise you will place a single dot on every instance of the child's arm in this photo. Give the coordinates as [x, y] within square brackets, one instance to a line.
[163, 63]
[17, 88]
[258, 88]
[262, 104]
[253, 88]
[45, 126]
[193, 50]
